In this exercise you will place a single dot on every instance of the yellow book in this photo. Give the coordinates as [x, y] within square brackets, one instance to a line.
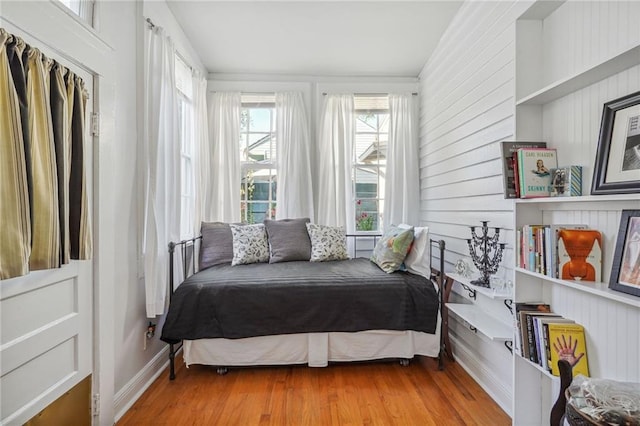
[567, 341]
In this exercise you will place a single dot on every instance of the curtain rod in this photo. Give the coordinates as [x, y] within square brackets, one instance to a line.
[180, 55]
[371, 94]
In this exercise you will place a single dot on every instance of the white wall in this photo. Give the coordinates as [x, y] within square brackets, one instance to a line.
[467, 107]
[136, 361]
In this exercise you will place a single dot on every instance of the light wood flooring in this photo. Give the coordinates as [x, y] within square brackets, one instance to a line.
[376, 393]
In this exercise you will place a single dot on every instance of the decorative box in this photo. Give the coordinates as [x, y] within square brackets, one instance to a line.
[566, 181]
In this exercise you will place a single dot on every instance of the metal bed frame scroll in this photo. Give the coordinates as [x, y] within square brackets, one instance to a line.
[189, 260]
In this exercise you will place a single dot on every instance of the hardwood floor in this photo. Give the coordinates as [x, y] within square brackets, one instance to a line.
[376, 393]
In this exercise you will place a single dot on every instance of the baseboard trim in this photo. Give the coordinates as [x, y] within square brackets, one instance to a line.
[129, 394]
[482, 375]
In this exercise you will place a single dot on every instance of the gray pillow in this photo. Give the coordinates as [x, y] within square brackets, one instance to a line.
[288, 240]
[217, 244]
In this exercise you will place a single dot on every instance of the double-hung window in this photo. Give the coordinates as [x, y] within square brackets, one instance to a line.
[186, 133]
[258, 158]
[370, 159]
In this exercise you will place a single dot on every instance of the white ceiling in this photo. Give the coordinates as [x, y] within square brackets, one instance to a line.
[314, 38]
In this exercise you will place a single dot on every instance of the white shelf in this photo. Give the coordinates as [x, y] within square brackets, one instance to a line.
[491, 327]
[586, 77]
[579, 199]
[487, 292]
[537, 367]
[598, 288]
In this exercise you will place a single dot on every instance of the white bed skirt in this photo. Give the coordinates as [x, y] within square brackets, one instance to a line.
[314, 349]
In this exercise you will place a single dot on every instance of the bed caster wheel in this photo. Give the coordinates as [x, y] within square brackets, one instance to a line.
[222, 371]
[404, 362]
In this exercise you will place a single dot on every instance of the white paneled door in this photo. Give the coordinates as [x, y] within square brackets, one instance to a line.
[46, 319]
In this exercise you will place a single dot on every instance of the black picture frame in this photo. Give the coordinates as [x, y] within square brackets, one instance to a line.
[625, 270]
[601, 184]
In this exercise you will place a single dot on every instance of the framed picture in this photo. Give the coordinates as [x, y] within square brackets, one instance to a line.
[625, 271]
[617, 167]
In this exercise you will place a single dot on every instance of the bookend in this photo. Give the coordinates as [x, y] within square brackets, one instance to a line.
[558, 409]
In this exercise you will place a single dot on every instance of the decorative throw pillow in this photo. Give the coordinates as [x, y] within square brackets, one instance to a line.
[418, 259]
[327, 243]
[217, 244]
[288, 240]
[392, 248]
[249, 244]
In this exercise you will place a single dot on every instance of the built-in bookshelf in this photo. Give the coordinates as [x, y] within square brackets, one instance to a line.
[592, 304]
[562, 81]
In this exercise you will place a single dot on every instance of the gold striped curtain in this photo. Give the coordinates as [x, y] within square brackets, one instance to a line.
[44, 212]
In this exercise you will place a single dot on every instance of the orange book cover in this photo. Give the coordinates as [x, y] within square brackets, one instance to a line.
[580, 254]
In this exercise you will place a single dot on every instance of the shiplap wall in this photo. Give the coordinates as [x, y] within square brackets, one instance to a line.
[468, 107]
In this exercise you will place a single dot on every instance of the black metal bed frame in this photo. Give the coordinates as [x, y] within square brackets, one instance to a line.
[189, 257]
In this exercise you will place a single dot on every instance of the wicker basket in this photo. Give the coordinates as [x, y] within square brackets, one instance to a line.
[575, 417]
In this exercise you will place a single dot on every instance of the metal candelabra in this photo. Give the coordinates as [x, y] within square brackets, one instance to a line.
[486, 253]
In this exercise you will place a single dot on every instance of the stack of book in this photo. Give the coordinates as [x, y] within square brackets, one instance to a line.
[530, 170]
[544, 337]
[570, 252]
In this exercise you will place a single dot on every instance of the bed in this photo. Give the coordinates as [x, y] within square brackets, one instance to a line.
[302, 312]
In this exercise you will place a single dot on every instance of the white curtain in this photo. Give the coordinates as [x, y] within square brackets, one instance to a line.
[162, 168]
[402, 187]
[335, 144]
[202, 152]
[223, 202]
[294, 191]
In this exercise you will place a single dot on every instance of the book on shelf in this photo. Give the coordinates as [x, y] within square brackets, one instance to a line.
[554, 229]
[521, 337]
[538, 335]
[516, 174]
[537, 247]
[532, 248]
[567, 341]
[566, 181]
[532, 339]
[508, 150]
[545, 347]
[580, 254]
[534, 165]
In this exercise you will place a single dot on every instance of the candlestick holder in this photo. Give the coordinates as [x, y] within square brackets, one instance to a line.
[486, 253]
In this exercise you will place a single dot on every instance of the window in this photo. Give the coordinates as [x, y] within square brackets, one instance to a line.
[258, 158]
[186, 134]
[369, 160]
[82, 8]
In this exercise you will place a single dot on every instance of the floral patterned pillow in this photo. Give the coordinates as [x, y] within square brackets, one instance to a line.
[327, 243]
[392, 248]
[250, 244]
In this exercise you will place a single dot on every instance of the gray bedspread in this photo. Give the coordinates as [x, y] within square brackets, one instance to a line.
[299, 297]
